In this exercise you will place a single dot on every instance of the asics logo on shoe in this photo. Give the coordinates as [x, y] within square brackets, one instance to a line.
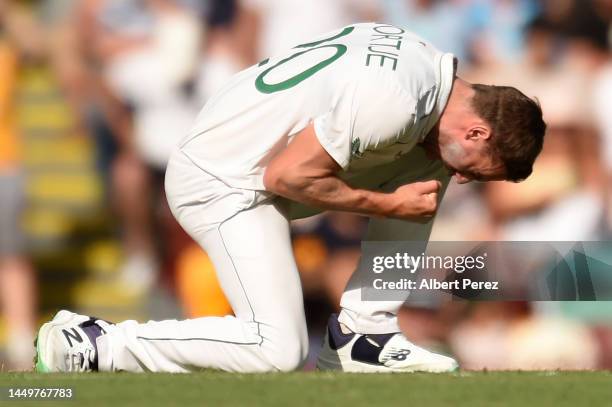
[400, 354]
[74, 335]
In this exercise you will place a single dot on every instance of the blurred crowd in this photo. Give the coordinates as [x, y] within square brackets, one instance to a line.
[94, 93]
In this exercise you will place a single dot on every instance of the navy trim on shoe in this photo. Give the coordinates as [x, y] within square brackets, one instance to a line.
[336, 337]
[381, 339]
[367, 348]
[93, 331]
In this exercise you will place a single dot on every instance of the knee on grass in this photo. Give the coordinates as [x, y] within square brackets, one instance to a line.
[288, 356]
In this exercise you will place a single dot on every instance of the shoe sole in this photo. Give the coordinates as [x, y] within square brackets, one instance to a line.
[357, 367]
[42, 343]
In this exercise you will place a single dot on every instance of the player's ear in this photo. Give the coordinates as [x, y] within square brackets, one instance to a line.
[478, 131]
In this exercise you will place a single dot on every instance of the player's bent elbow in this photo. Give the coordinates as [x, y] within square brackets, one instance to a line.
[271, 180]
[280, 183]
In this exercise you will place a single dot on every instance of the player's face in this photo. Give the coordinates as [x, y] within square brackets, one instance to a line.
[471, 160]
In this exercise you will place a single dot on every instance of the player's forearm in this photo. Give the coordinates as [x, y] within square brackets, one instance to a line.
[332, 193]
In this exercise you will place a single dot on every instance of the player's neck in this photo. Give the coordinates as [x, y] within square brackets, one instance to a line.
[459, 100]
[430, 142]
[453, 118]
[457, 107]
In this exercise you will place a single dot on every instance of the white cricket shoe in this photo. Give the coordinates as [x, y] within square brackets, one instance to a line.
[67, 343]
[377, 353]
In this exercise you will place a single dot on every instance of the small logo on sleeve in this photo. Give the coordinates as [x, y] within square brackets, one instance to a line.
[355, 148]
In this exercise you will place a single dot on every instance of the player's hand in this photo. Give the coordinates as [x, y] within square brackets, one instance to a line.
[416, 201]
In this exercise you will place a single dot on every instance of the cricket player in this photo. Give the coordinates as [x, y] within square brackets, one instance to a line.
[369, 119]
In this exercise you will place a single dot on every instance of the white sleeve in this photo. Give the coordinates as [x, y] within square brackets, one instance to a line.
[369, 114]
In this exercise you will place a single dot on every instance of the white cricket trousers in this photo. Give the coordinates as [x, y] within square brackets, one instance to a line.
[249, 244]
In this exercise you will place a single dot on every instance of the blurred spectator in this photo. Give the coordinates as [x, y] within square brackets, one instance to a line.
[462, 215]
[228, 45]
[426, 17]
[327, 249]
[507, 336]
[146, 53]
[150, 75]
[17, 279]
[197, 285]
[602, 89]
[497, 27]
[281, 24]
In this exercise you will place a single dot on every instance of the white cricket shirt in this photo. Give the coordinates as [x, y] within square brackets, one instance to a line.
[372, 90]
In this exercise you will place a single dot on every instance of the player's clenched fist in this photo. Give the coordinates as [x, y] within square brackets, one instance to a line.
[416, 200]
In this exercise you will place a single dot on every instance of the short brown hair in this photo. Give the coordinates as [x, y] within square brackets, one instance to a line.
[516, 124]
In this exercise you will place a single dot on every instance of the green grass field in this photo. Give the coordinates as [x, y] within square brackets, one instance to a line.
[324, 389]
